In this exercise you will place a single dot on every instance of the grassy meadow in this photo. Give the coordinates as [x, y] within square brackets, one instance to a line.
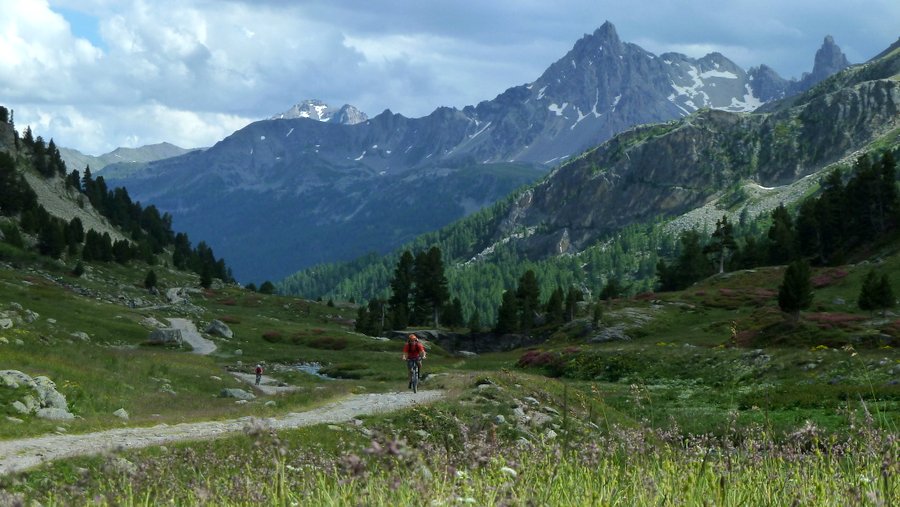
[714, 398]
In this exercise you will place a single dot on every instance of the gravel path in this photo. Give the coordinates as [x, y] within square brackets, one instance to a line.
[189, 333]
[18, 455]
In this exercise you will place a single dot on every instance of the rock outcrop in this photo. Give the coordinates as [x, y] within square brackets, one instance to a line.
[219, 328]
[38, 396]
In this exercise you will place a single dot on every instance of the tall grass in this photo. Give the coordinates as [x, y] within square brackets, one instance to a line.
[627, 466]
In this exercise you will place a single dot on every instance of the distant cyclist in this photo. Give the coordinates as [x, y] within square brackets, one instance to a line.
[413, 353]
[259, 372]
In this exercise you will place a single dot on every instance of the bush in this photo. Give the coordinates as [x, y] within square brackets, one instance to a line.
[272, 336]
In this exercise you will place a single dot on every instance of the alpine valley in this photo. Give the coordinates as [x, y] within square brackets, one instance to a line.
[314, 185]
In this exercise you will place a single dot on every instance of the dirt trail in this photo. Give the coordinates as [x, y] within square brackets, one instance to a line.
[189, 334]
[17, 455]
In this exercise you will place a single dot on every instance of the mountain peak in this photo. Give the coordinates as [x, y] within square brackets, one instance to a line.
[606, 33]
[315, 109]
[829, 60]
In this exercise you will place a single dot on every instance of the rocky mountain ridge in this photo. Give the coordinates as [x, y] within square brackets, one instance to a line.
[321, 188]
[75, 160]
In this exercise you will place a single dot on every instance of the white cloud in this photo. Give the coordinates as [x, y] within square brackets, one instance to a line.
[192, 71]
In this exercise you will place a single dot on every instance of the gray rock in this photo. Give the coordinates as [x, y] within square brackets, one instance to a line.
[219, 328]
[16, 307]
[18, 342]
[20, 407]
[31, 316]
[48, 396]
[838, 301]
[520, 416]
[14, 420]
[81, 336]
[237, 393]
[51, 321]
[550, 410]
[531, 400]
[611, 334]
[6, 323]
[270, 403]
[466, 353]
[165, 336]
[15, 379]
[3, 340]
[539, 419]
[499, 419]
[121, 414]
[151, 323]
[54, 414]
[550, 434]
[239, 352]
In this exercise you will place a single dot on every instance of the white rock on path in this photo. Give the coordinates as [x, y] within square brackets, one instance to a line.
[190, 334]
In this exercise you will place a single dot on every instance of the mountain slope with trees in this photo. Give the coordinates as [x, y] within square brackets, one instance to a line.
[599, 217]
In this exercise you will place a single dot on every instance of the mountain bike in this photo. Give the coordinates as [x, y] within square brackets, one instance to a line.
[413, 366]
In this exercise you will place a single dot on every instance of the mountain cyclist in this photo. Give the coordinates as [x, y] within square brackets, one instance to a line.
[413, 353]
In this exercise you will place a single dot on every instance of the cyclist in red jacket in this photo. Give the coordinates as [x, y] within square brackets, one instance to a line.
[413, 353]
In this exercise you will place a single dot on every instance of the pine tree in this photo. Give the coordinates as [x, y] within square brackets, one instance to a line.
[597, 314]
[267, 287]
[876, 293]
[206, 276]
[555, 312]
[150, 280]
[51, 239]
[781, 236]
[401, 290]
[475, 322]
[528, 295]
[867, 294]
[572, 299]
[430, 292]
[508, 314]
[795, 292]
[722, 242]
[612, 290]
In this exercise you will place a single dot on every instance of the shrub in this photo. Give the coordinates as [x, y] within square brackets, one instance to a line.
[230, 319]
[272, 336]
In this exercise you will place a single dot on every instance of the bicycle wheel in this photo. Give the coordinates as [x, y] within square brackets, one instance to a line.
[415, 379]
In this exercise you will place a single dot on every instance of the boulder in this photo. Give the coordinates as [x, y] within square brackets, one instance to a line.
[610, 334]
[31, 316]
[219, 328]
[48, 396]
[121, 414]
[16, 307]
[165, 336]
[237, 393]
[6, 323]
[20, 407]
[54, 414]
[539, 419]
[15, 378]
[81, 336]
[466, 353]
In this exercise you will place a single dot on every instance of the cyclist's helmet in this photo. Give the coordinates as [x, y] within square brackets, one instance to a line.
[413, 337]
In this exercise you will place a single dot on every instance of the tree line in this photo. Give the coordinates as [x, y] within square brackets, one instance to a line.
[148, 233]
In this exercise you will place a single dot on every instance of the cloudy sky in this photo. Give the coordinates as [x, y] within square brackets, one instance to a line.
[97, 74]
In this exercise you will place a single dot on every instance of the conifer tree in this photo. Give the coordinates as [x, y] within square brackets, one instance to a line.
[508, 314]
[556, 314]
[401, 290]
[150, 280]
[722, 242]
[572, 299]
[528, 295]
[876, 293]
[781, 236]
[430, 292]
[474, 324]
[795, 292]
[267, 287]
